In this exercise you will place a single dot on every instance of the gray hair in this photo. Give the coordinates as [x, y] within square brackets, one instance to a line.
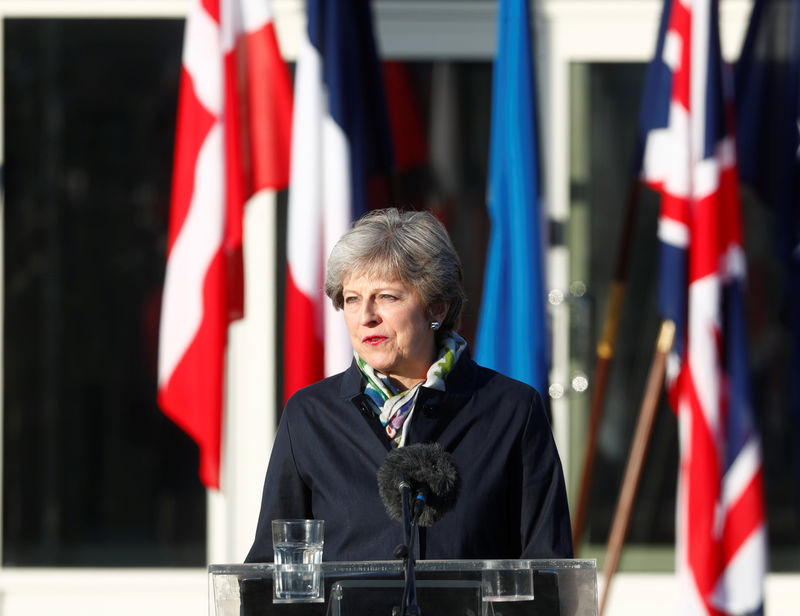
[410, 246]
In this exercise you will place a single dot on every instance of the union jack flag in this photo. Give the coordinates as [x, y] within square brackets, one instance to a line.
[688, 154]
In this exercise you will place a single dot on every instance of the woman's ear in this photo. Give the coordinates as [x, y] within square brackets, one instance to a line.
[438, 312]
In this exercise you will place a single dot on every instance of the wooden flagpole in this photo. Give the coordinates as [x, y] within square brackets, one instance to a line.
[633, 470]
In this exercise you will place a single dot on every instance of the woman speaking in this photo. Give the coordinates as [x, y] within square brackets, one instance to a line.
[398, 280]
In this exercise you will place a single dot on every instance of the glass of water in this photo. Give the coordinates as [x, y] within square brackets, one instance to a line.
[503, 582]
[298, 555]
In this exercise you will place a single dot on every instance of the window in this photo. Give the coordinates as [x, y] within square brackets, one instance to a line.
[94, 473]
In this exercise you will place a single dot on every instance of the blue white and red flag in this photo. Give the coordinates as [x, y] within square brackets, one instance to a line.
[689, 156]
[340, 137]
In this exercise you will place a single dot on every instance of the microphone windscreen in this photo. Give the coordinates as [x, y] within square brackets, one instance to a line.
[427, 467]
[390, 476]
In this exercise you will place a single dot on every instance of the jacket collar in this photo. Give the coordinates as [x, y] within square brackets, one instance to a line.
[350, 385]
[434, 409]
[460, 381]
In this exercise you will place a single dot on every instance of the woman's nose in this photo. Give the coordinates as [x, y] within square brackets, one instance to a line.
[369, 313]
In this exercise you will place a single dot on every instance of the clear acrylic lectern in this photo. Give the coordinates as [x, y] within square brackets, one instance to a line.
[443, 588]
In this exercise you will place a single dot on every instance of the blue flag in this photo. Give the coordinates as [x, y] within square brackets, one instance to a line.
[512, 334]
[767, 82]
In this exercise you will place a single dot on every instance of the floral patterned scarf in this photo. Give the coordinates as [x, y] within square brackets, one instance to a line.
[394, 407]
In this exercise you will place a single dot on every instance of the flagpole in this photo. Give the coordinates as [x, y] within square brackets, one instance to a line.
[641, 442]
[605, 353]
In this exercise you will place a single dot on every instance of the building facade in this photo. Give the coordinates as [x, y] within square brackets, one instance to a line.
[101, 507]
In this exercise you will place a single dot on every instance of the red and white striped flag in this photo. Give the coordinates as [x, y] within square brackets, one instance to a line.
[232, 140]
[689, 155]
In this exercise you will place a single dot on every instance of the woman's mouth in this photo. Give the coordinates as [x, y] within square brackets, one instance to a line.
[373, 340]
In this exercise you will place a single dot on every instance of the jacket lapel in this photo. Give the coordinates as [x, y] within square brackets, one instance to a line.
[351, 390]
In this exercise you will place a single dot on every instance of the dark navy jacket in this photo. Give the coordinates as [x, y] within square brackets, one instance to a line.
[512, 502]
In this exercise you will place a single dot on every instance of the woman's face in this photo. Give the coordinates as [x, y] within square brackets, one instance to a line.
[390, 327]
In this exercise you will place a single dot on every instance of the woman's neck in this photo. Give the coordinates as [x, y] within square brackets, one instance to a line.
[404, 383]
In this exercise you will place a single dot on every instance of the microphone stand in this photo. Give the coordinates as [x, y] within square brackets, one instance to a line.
[408, 604]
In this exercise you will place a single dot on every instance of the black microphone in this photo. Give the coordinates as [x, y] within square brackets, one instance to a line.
[429, 471]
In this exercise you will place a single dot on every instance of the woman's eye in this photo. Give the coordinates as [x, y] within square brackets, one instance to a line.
[350, 300]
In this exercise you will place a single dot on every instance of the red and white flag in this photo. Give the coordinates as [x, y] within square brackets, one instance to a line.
[232, 140]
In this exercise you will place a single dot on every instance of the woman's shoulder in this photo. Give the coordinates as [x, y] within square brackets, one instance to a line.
[321, 390]
[491, 380]
[341, 386]
[504, 401]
